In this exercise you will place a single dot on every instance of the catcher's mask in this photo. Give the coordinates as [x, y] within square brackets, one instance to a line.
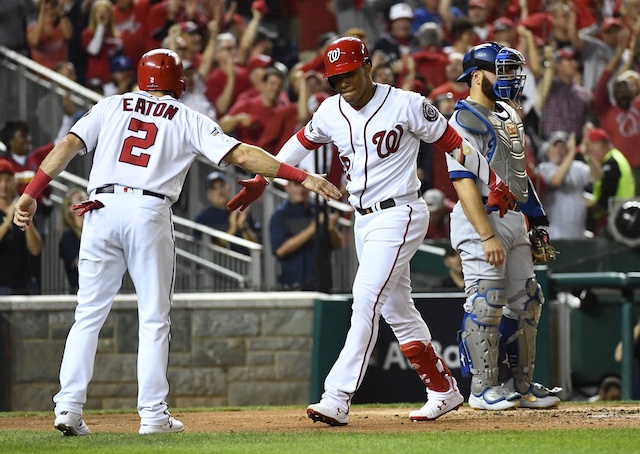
[506, 63]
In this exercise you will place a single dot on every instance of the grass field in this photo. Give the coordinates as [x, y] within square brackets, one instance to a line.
[613, 428]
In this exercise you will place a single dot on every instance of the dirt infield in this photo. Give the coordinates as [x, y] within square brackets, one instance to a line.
[365, 419]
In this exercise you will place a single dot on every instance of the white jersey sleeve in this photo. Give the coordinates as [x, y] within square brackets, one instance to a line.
[425, 120]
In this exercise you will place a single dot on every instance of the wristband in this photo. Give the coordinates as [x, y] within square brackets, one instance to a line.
[488, 238]
[38, 184]
[291, 173]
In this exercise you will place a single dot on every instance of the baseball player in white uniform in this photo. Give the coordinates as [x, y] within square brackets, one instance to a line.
[377, 129]
[144, 144]
[498, 337]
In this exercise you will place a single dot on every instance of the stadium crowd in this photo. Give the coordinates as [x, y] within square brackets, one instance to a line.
[256, 68]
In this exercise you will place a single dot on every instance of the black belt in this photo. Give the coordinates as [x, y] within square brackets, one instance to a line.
[389, 203]
[110, 189]
[518, 206]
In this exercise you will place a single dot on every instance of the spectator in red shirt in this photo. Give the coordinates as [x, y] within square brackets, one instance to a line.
[256, 66]
[228, 80]
[431, 60]
[168, 12]
[458, 90]
[101, 43]
[129, 17]
[621, 120]
[259, 109]
[49, 37]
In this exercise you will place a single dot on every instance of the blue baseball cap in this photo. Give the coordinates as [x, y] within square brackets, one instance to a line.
[120, 63]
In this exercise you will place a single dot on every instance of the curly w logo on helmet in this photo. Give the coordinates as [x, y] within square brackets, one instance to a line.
[334, 55]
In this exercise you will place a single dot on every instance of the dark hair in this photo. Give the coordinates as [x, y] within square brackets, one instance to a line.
[271, 71]
[10, 128]
[459, 26]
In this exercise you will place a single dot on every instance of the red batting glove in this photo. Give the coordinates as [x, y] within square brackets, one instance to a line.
[252, 189]
[500, 199]
[87, 205]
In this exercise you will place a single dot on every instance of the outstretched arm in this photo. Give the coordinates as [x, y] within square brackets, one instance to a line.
[255, 159]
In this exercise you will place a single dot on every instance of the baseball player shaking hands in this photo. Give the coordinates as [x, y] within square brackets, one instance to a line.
[377, 129]
[498, 337]
[144, 144]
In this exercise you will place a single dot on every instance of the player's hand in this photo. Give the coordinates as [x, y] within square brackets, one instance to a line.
[493, 251]
[318, 184]
[252, 189]
[500, 199]
[25, 208]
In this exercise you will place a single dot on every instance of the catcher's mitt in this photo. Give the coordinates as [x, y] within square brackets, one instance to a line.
[541, 250]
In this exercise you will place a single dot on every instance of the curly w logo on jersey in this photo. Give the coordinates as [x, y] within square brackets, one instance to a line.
[334, 55]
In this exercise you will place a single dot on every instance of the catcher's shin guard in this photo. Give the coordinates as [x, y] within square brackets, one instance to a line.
[519, 334]
[478, 339]
[429, 366]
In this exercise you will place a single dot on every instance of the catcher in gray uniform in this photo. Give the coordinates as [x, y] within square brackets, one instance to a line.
[498, 337]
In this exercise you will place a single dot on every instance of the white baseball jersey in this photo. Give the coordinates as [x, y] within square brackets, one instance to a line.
[388, 129]
[156, 141]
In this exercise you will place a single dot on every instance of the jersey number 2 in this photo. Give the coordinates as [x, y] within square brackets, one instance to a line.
[143, 143]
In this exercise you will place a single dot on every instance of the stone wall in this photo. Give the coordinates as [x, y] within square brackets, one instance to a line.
[230, 349]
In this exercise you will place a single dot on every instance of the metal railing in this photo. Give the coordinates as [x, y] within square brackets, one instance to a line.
[625, 282]
[202, 265]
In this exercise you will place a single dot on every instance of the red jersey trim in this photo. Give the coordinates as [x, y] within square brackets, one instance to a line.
[450, 140]
[308, 144]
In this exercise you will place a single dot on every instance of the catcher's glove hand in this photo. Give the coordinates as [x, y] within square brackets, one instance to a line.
[541, 250]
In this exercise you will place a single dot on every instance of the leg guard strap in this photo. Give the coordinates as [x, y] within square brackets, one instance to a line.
[518, 332]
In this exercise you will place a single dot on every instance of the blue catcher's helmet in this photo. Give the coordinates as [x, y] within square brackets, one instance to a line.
[506, 63]
[482, 56]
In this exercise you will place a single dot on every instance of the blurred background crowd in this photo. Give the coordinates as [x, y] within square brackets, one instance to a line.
[256, 68]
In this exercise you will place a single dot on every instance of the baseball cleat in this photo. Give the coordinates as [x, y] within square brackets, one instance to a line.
[71, 424]
[537, 396]
[495, 398]
[333, 416]
[439, 403]
[171, 426]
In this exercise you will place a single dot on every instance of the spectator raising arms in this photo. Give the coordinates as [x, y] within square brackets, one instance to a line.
[48, 38]
[101, 43]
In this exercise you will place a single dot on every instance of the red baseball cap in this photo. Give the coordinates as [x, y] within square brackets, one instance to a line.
[478, 3]
[609, 22]
[597, 135]
[7, 167]
[259, 61]
[567, 53]
[502, 24]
